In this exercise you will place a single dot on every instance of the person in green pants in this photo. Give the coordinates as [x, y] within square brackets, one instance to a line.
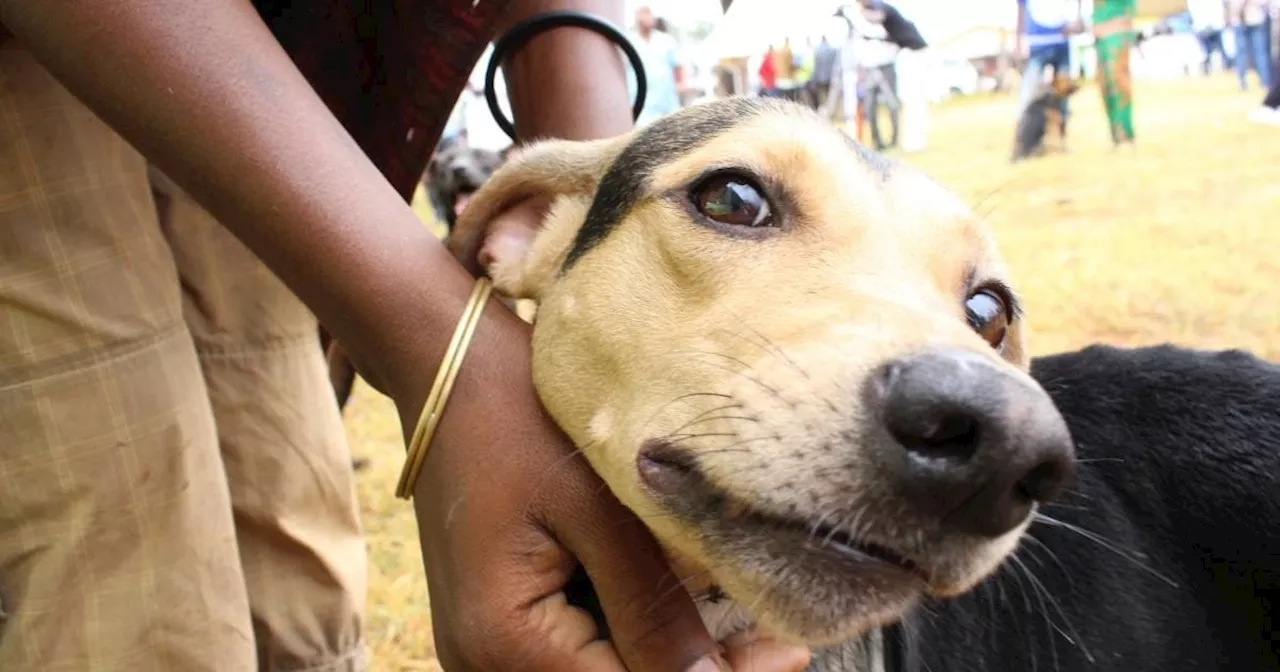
[1113, 39]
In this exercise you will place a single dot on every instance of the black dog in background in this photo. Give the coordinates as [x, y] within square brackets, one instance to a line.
[1165, 555]
[1041, 125]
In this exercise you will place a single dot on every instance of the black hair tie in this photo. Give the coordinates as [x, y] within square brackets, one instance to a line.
[526, 30]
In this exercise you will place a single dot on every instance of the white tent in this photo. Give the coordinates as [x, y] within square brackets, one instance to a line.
[751, 26]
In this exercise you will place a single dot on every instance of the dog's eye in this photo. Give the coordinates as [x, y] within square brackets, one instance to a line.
[732, 199]
[988, 315]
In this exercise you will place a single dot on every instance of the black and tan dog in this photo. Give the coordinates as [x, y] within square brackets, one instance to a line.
[804, 367]
[1041, 127]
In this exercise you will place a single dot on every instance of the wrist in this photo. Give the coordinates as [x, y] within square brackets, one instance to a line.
[590, 99]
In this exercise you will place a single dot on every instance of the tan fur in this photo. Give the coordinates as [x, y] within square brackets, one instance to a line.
[788, 327]
[1062, 86]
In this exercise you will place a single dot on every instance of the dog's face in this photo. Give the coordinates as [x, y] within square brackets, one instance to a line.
[1063, 86]
[456, 171]
[799, 363]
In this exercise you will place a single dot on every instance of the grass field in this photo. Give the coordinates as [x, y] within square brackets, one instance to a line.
[1178, 241]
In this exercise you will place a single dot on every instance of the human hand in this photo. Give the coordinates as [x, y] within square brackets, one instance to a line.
[505, 505]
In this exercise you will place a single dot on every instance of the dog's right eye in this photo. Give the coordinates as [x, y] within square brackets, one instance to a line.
[988, 314]
[732, 199]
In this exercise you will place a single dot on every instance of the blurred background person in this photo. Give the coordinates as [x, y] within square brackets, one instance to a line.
[1269, 112]
[825, 62]
[1114, 38]
[1208, 20]
[803, 59]
[784, 70]
[663, 74]
[911, 70]
[768, 73]
[1043, 38]
[1250, 21]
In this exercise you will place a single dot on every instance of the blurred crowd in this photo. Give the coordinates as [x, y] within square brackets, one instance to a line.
[870, 76]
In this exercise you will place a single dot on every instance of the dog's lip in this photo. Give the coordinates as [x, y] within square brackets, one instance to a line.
[666, 472]
[832, 541]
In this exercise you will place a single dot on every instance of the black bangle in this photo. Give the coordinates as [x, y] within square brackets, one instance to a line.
[526, 30]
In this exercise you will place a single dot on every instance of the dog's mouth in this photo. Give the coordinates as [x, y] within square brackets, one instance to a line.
[462, 199]
[833, 543]
[675, 478]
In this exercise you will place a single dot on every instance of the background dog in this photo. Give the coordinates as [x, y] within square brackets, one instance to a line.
[455, 172]
[1041, 126]
[803, 367]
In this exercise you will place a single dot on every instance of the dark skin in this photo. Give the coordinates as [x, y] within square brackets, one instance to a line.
[502, 510]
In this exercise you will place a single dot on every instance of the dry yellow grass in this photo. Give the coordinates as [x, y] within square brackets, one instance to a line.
[1178, 241]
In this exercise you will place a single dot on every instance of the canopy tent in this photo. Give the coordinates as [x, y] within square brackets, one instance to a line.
[750, 26]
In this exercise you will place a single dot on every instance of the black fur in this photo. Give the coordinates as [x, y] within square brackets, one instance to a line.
[1179, 484]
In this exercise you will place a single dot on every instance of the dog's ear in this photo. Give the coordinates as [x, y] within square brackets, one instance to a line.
[521, 256]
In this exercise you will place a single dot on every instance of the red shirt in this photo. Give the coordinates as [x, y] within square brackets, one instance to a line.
[768, 72]
[390, 70]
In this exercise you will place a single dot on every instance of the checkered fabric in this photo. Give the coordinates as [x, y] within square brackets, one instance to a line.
[175, 484]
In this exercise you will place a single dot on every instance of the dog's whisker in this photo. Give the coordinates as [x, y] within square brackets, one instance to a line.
[770, 345]
[683, 397]
[686, 437]
[681, 583]
[763, 385]
[1050, 627]
[693, 423]
[1074, 637]
[1052, 556]
[817, 524]
[1132, 556]
[707, 412]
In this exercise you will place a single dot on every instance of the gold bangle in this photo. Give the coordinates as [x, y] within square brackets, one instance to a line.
[433, 407]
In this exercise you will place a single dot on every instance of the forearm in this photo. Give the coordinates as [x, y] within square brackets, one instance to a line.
[568, 82]
[206, 93]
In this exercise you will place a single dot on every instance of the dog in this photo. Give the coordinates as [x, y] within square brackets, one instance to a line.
[804, 367]
[454, 173]
[1041, 126]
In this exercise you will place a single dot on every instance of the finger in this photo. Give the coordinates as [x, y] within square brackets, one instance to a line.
[570, 638]
[747, 652]
[518, 617]
[653, 620]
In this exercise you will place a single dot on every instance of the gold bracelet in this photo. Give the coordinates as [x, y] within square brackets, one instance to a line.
[433, 407]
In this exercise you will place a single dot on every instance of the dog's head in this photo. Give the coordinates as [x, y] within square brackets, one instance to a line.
[457, 171]
[801, 364]
[1062, 86]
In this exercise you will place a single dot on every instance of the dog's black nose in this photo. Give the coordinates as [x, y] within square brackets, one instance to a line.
[460, 173]
[969, 442]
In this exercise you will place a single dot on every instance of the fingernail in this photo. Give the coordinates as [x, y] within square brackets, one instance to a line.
[710, 663]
